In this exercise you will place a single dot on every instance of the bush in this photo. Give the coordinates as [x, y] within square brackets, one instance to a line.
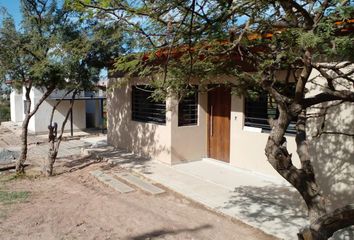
[5, 111]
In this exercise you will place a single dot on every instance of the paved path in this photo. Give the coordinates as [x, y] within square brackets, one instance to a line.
[263, 202]
[67, 148]
[38, 144]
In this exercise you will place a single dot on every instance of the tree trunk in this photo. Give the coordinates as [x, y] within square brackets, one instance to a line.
[49, 165]
[302, 179]
[54, 140]
[324, 227]
[20, 167]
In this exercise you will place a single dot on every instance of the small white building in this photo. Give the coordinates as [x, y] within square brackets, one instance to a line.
[88, 110]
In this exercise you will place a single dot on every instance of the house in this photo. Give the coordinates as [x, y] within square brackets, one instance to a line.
[88, 110]
[227, 128]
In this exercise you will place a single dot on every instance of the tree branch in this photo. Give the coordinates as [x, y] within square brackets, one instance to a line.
[325, 226]
[344, 95]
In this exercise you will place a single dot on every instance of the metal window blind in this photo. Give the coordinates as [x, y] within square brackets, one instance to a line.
[257, 113]
[145, 108]
[188, 110]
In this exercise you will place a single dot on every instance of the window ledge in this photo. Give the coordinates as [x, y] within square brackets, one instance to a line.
[252, 129]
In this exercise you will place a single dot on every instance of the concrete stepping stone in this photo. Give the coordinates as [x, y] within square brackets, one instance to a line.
[140, 183]
[112, 182]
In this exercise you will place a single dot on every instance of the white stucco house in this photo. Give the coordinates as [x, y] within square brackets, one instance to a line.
[88, 110]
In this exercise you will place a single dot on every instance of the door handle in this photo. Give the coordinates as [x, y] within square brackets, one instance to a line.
[211, 120]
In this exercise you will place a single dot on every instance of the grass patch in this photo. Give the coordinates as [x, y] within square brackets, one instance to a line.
[8, 177]
[7, 197]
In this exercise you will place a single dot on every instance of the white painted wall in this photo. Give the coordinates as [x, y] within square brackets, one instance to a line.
[16, 106]
[40, 121]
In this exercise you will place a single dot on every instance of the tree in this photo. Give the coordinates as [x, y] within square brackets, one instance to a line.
[53, 49]
[54, 139]
[253, 41]
[90, 46]
[34, 56]
[25, 59]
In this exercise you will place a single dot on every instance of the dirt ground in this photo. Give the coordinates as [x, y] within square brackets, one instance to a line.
[76, 206]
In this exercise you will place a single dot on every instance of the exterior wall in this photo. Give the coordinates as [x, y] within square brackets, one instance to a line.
[16, 106]
[333, 154]
[40, 121]
[146, 139]
[247, 147]
[189, 143]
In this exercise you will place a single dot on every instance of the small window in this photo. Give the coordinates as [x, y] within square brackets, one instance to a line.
[188, 110]
[145, 108]
[258, 111]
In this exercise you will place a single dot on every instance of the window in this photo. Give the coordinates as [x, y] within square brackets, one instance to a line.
[188, 110]
[145, 108]
[258, 112]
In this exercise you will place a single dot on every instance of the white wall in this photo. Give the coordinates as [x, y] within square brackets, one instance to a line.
[40, 121]
[16, 106]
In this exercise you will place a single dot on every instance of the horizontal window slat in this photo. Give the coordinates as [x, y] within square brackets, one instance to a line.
[257, 113]
[144, 108]
[188, 110]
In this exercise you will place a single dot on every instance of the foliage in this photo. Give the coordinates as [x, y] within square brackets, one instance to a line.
[50, 50]
[200, 39]
[249, 43]
[4, 110]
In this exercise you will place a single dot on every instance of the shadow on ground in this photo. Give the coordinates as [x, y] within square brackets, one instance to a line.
[163, 232]
[276, 207]
[269, 207]
[122, 158]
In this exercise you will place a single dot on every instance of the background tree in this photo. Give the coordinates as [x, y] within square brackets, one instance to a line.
[90, 46]
[30, 57]
[47, 50]
[253, 41]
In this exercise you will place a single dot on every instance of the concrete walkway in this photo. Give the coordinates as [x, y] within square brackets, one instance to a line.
[263, 202]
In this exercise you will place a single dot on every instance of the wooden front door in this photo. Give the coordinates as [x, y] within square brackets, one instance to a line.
[219, 109]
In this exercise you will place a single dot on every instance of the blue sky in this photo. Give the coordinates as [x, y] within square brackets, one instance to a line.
[13, 7]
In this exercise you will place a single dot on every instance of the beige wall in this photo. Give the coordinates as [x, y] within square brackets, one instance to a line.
[189, 143]
[146, 139]
[168, 143]
[333, 154]
[247, 147]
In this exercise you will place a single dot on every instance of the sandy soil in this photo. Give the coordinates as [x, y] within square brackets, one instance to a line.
[76, 206]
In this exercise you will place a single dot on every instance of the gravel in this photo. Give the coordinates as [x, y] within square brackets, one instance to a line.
[7, 156]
